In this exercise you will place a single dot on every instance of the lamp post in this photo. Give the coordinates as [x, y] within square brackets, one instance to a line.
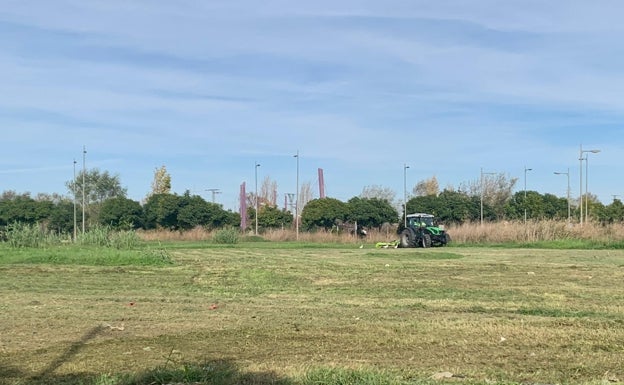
[525, 192]
[256, 195]
[405, 167]
[297, 199]
[84, 171]
[481, 188]
[581, 158]
[586, 182]
[567, 191]
[75, 186]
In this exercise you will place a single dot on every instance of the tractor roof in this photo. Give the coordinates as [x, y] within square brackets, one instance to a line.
[420, 215]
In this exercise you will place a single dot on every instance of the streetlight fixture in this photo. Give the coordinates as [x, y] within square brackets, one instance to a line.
[256, 195]
[405, 167]
[581, 159]
[568, 190]
[481, 188]
[297, 199]
[525, 192]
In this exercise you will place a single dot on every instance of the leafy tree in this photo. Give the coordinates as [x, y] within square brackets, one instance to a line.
[614, 212]
[195, 211]
[121, 213]
[21, 208]
[323, 213]
[162, 181]
[61, 218]
[272, 217]
[98, 186]
[371, 212]
[161, 211]
[455, 207]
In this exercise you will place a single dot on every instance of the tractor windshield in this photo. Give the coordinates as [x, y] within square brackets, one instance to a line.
[421, 221]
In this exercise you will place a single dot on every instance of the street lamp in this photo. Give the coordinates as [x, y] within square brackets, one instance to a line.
[481, 188]
[75, 186]
[256, 197]
[84, 171]
[568, 190]
[525, 193]
[581, 158]
[297, 199]
[405, 167]
[586, 182]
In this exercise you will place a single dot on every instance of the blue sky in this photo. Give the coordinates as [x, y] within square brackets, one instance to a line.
[359, 88]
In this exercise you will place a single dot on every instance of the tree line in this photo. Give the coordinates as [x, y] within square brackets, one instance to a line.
[105, 203]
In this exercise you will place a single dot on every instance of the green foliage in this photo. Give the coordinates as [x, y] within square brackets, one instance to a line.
[161, 211]
[323, 213]
[85, 256]
[339, 376]
[105, 236]
[537, 206]
[448, 207]
[98, 186]
[20, 235]
[226, 236]
[121, 213]
[23, 209]
[371, 212]
[270, 217]
[174, 212]
[195, 211]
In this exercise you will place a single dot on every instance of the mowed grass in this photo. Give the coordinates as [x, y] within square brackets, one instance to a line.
[289, 315]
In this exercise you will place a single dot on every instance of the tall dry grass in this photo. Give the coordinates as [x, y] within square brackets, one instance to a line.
[467, 233]
[534, 231]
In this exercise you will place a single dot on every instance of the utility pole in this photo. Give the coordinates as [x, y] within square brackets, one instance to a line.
[214, 191]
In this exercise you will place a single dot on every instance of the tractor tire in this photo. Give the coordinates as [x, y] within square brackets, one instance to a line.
[447, 239]
[426, 241]
[408, 238]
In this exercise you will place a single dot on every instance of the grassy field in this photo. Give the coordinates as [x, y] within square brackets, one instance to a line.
[285, 313]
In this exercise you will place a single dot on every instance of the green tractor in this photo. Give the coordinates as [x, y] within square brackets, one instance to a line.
[422, 232]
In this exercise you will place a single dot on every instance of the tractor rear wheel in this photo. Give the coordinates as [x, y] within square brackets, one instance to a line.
[408, 238]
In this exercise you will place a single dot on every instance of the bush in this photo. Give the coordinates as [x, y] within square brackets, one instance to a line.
[29, 235]
[124, 239]
[96, 236]
[228, 236]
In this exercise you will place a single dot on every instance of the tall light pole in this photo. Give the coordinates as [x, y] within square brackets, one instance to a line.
[405, 167]
[568, 190]
[586, 182]
[581, 158]
[297, 199]
[256, 195]
[525, 193]
[481, 188]
[84, 171]
[75, 186]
